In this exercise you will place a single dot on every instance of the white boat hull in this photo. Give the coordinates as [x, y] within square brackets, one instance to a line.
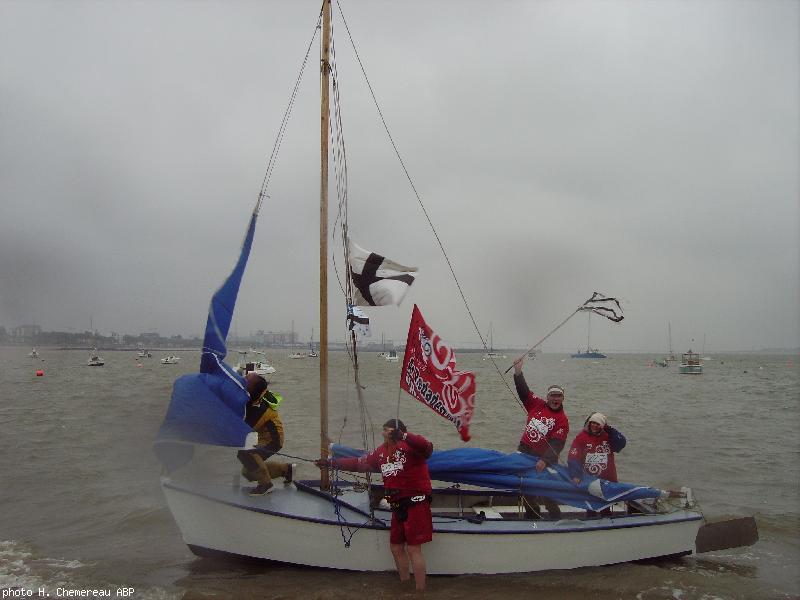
[298, 527]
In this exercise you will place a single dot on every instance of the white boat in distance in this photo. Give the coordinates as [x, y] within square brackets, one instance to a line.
[259, 367]
[312, 353]
[33, 353]
[296, 355]
[144, 354]
[171, 360]
[95, 359]
[392, 356]
[491, 354]
[338, 524]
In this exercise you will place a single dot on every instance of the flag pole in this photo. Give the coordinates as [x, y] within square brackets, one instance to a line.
[559, 326]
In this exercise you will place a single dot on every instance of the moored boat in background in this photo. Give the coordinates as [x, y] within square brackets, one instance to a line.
[95, 360]
[690, 364]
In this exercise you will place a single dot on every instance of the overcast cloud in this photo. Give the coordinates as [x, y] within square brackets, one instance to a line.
[647, 150]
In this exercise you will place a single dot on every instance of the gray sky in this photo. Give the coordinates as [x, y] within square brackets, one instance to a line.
[647, 150]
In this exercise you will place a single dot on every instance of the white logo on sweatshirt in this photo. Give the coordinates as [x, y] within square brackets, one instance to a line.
[538, 429]
[389, 469]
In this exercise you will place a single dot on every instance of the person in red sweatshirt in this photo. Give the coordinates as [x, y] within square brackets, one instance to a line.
[593, 450]
[402, 462]
[544, 436]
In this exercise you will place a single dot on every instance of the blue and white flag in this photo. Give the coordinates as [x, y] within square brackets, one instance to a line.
[357, 321]
[377, 280]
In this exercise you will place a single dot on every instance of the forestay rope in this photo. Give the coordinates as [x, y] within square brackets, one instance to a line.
[273, 157]
[419, 200]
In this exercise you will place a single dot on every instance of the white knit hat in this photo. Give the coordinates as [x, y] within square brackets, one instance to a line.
[598, 418]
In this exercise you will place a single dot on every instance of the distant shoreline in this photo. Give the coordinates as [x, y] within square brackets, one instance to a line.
[511, 353]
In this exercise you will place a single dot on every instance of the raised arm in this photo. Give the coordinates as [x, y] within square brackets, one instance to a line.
[418, 444]
[616, 440]
[523, 390]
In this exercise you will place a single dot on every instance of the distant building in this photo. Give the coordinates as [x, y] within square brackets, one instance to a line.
[25, 333]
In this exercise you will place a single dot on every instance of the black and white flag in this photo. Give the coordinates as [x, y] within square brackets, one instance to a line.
[357, 321]
[378, 281]
[604, 306]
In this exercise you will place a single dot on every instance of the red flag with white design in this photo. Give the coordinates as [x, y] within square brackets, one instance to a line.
[429, 375]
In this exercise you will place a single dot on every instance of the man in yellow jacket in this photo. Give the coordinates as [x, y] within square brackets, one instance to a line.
[262, 415]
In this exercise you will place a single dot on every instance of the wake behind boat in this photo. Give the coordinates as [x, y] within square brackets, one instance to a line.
[340, 524]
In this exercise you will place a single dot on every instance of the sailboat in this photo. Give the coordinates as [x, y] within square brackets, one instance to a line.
[383, 353]
[703, 350]
[477, 528]
[311, 352]
[491, 353]
[295, 354]
[671, 356]
[590, 352]
[95, 360]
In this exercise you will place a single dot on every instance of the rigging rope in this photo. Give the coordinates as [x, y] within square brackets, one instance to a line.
[421, 204]
[273, 157]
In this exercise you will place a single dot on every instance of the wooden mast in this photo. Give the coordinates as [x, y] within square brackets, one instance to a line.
[323, 239]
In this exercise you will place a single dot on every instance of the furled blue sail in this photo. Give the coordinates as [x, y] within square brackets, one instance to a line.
[517, 471]
[208, 407]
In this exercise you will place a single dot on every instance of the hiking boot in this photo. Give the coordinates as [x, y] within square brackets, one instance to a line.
[261, 489]
[287, 479]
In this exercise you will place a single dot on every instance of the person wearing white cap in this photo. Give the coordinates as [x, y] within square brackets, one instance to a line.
[592, 451]
[545, 433]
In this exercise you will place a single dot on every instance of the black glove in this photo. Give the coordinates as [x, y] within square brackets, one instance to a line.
[397, 435]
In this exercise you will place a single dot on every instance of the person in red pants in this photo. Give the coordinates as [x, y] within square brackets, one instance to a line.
[402, 462]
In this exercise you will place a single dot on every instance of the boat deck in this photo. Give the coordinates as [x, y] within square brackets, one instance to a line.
[454, 510]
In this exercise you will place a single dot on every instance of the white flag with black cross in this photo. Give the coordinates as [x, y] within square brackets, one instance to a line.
[377, 280]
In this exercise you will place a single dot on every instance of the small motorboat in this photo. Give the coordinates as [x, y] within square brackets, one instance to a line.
[690, 364]
[170, 360]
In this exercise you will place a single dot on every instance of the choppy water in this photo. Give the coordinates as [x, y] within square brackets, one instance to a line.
[81, 508]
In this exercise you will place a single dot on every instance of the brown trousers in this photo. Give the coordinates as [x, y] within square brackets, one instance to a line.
[255, 467]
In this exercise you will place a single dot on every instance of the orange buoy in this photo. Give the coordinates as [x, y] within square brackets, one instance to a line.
[39, 373]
